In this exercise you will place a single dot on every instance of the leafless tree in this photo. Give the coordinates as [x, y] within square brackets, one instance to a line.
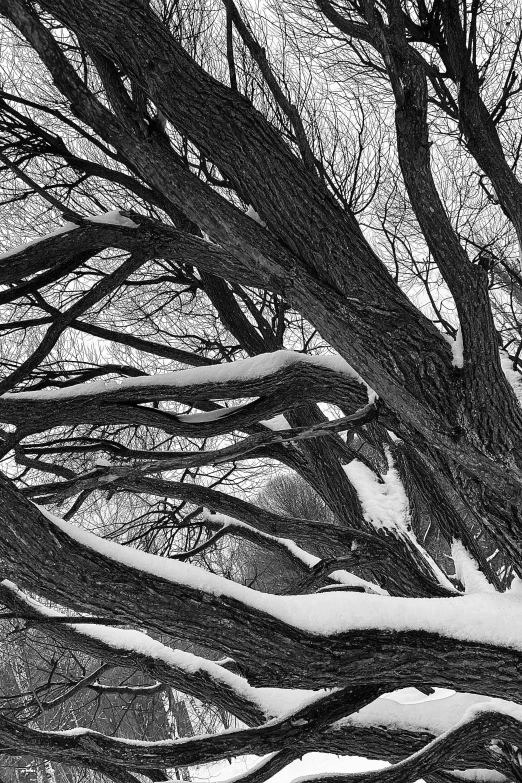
[292, 246]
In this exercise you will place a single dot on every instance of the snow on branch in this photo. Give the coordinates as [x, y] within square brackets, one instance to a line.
[246, 375]
[203, 678]
[130, 232]
[320, 534]
[386, 508]
[414, 717]
[433, 715]
[384, 503]
[471, 618]
[478, 727]
[299, 557]
[231, 618]
[278, 382]
[467, 570]
[188, 673]
[112, 218]
[229, 526]
[75, 746]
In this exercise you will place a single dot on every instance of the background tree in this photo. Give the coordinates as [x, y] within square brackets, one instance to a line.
[290, 255]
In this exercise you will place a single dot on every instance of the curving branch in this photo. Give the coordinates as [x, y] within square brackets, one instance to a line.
[145, 236]
[78, 746]
[60, 323]
[477, 729]
[309, 640]
[249, 448]
[185, 672]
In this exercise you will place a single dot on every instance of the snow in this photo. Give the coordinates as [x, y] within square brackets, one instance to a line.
[413, 695]
[515, 588]
[435, 716]
[285, 702]
[317, 763]
[467, 570]
[277, 423]
[343, 577]
[514, 377]
[479, 774]
[77, 731]
[384, 505]
[457, 348]
[295, 550]
[113, 218]
[346, 578]
[20, 248]
[251, 213]
[141, 643]
[301, 554]
[266, 699]
[484, 618]
[494, 705]
[256, 367]
[437, 572]
[207, 416]
[282, 701]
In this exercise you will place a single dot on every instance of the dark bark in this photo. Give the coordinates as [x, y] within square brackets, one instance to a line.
[460, 457]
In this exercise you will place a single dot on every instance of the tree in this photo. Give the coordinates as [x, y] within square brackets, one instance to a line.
[309, 235]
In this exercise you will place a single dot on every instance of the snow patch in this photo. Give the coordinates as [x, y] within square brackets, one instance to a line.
[113, 218]
[20, 248]
[433, 715]
[479, 774]
[457, 348]
[276, 423]
[251, 213]
[467, 570]
[384, 505]
[346, 578]
[494, 705]
[300, 554]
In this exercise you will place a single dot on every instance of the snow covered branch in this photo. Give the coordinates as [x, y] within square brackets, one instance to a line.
[393, 639]
[123, 230]
[78, 745]
[183, 671]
